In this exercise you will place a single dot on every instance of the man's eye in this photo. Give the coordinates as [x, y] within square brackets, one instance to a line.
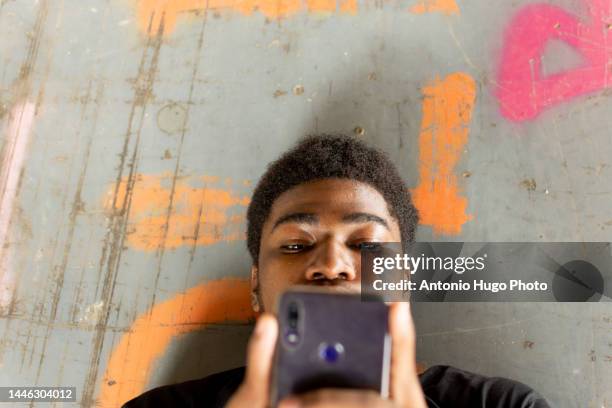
[292, 248]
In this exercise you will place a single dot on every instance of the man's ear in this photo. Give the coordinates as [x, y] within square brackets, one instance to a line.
[255, 289]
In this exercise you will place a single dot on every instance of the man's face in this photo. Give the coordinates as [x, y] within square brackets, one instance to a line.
[313, 236]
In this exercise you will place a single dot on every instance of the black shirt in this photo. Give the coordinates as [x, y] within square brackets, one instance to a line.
[444, 387]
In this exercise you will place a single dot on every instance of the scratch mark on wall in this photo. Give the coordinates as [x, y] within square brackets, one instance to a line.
[130, 364]
[76, 207]
[447, 7]
[182, 121]
[148, 212]
[99, 95]
[113, 244]
[523, 91]
[447, 112]
[18, 133]
[9, 183]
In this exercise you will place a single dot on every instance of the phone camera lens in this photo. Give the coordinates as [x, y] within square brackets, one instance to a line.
[293, 316]
[330, 353]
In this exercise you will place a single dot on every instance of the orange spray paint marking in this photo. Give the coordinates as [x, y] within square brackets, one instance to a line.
[328, 6]
[151, 13]
[447, 7]
[131, 362]
[348, 7]
[216, 213]
[447, 111]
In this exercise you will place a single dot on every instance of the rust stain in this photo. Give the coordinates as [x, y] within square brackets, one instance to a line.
[298, 89]
[447, 112]
[359, 131]
[278, 93]
[528, 184]
[131, 361]
[206, 209]
[447, 7]
[153, 14]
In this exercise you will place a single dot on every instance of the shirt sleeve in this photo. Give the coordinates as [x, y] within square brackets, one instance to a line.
[447, 386]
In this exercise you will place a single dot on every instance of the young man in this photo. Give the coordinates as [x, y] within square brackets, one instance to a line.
[310, 214]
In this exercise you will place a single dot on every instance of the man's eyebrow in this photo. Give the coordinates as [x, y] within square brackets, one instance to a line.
[364, 217]
[302, 218]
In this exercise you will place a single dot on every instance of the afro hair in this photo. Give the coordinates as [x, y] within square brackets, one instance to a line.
[330, 156]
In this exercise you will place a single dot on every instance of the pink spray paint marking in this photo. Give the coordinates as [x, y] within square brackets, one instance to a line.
[17, 138]
[523, 92]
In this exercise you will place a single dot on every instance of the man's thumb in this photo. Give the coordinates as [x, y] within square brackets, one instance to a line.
[256, 384]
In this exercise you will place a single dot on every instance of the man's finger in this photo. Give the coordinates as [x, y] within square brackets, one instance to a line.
[259, 359]
[405, 386]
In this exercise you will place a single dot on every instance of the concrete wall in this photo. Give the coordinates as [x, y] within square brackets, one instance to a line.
[133, 131]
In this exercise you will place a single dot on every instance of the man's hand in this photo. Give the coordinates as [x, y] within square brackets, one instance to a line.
[254, 390]
[405, 390]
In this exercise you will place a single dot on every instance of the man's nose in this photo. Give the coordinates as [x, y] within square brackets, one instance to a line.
[333, 260]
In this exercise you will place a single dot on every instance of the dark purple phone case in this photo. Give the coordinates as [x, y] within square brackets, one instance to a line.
[359, 327]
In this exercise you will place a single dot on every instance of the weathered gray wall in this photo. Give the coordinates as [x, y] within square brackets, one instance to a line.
[133, 132]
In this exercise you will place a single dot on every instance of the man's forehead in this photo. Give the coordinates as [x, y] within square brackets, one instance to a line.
[329, 198]
[313, 218]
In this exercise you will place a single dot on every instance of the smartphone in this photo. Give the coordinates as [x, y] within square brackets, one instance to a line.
[330, 340]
